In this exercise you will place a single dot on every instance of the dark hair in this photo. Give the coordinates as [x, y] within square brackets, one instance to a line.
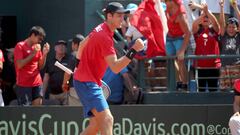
[37, 30]
[105, 14]
[114, 7]
[78, 38]
[232, 20]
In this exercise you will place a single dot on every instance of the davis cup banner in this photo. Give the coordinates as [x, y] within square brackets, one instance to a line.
[128, 120]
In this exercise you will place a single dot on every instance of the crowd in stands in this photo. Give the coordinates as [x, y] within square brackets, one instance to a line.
[195, 27]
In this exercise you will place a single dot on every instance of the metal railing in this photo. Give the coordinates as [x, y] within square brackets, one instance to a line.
[170, 77]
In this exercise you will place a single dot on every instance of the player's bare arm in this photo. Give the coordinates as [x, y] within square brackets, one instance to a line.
[82, 44]
[117, 65]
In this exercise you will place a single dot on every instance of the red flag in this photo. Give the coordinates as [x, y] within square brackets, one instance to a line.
[148, 22]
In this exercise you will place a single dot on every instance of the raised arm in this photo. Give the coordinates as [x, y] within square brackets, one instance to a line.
[234, 4]
[212, 18]
[222, 18]
[45, 51]
[196, 23]
[194, 5]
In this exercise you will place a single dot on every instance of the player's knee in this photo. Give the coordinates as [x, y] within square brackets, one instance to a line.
[108, 120]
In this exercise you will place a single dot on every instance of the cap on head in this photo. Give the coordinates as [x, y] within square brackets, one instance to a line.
[132, 7]
[61, 42]
[233, 20]
[78, 38]
[115, 7]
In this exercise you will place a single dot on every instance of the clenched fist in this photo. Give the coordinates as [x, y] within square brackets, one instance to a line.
[138, 45]
[46, 48]
[37, 47]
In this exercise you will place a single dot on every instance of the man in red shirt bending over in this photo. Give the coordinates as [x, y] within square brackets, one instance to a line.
[28, 60]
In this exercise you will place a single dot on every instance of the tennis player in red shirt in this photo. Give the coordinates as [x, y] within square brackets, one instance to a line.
[96, 53]
[28, 60]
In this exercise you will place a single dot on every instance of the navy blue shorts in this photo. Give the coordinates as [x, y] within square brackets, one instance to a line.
[91, 96]
[25, 95]
[236, 93]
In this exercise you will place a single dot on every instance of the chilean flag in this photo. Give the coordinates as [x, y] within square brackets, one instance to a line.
[150, 20]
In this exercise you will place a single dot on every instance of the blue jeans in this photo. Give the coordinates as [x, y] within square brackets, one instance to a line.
[173, 45]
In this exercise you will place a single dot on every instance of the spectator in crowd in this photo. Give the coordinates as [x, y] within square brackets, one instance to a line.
[154, 66]
[132, 33]
[96, 53]
[1, 68]
[53, 76]
[193, 9]
[229, 42]
[73, 99]
[205, 30]
[9, 77]
[28, 60]
[118, 83]
[229, 35]
[177, 38]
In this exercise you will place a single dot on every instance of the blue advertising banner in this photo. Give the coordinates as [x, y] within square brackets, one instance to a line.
[128, 120]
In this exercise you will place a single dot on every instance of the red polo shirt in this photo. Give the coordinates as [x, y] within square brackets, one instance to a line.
[207, 44]
[93, 65]
[29, 75]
